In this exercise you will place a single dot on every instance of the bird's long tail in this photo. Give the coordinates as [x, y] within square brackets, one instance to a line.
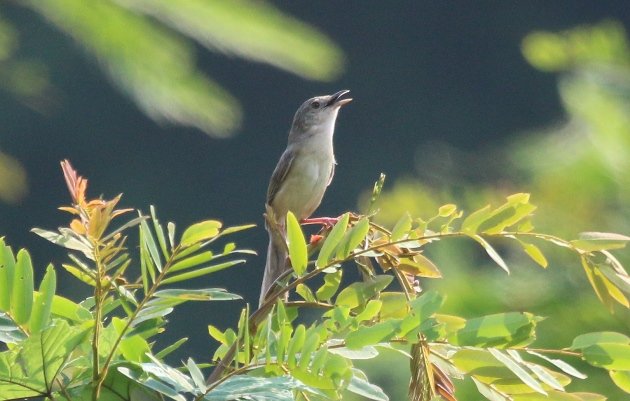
[275, 265]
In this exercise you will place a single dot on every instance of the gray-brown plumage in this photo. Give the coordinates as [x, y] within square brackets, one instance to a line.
[301, 176]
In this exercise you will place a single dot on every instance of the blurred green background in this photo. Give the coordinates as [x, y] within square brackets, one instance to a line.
[187, 107]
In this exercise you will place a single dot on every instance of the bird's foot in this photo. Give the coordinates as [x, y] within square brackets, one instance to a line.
[324, 221]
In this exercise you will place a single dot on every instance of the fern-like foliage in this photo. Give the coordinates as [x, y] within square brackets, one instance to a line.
[303, 341]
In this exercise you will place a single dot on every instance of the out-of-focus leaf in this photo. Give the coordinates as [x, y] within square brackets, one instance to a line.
[419, 265]
[367, 352]
[332, 240]
[22, 294]
[298, 252]
[622, 379]
[596, 241]
[611, 356]
[201, 231]
[394, 305]
[43, 301]
[534, 252]
[499, 330]
[586, 340]
[151, 64]
[472, 222]
[489, 392]
[402, 227]
[263, 33]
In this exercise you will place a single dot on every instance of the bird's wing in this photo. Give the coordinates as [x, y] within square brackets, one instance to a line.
[279, 174]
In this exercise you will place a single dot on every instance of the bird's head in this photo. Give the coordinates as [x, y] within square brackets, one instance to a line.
[319, 112]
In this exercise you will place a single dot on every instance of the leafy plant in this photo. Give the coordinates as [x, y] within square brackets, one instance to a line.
[304, 348]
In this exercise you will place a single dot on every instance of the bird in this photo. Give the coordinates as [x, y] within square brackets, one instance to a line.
[301, 176]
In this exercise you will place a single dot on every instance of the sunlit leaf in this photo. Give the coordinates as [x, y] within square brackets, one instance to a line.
[305, 292]
[596, 241]
[200, 232]
[7, 264]
[358, 293]
[353, 238]
[402, 227]
[206, 294]
[622, 379]
[22, 294]
[560, 364]
[171, 348]
[611, 356]
[534, 252]
[498, 330]
[330, 286]
[202, 271]
[332, 240]
[362, 387]
[371, 335]
[297, 245]
[43, 301]
[586, 340]
[517, 369]
[491, 252]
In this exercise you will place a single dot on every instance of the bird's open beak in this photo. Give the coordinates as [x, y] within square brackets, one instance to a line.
[335, 99]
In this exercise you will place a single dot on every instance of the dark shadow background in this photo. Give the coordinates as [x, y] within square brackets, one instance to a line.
[449, 71]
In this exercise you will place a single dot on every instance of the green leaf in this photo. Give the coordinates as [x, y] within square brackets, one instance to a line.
[534, 252]
[330, 286]
[192, 261]
[586, 340]
[200, 232]
[371, 335]
[296, 344]
[36, 363]
[472, 222]
[150, 245]
[353, 238]
[611, 356]
[305, 293]
[22, 295]
[498, 330]
[242, 387]
[621, 378]
[169, 349]
[7, 265]
[491, 252]
[10, 333]
[560, 364]
[357, 294]
[360, 386]
[298, 252]
[201, 272]
[447, 210]
[332, 240]
[402, 227]
[206, 294]
[517, 369]
[196, 375]
[367, 352]
[43, 301]
[596, 241]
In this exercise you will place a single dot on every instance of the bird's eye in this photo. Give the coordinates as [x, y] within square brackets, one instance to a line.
[315, 104]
